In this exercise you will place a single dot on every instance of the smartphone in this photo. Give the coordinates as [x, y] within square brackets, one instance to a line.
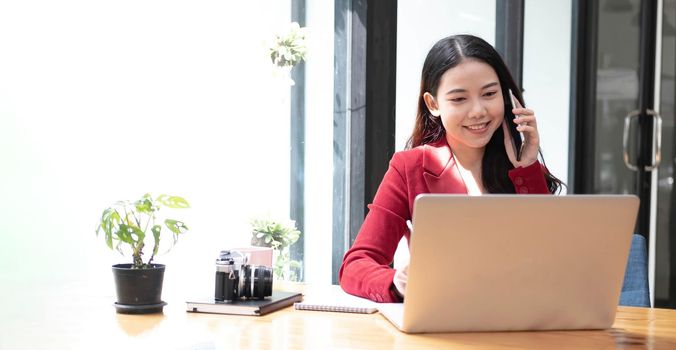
[517, 137]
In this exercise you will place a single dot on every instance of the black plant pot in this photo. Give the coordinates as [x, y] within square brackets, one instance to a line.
[139, 291]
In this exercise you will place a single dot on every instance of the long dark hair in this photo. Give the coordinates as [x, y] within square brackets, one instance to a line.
[444, 55]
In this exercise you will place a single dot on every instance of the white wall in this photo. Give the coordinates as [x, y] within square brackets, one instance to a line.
[546, 77]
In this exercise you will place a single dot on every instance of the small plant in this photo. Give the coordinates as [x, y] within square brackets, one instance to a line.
[271, 233]
[289, 49]
[128, 223]
[279, 236]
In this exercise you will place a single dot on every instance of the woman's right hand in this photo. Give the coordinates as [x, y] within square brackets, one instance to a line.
[527, 125]
[400, 279]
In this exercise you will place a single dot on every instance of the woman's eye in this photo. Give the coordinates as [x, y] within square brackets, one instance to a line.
[490, 93]
[457, 99]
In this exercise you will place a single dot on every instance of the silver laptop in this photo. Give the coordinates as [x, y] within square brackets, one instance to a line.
[515, 262]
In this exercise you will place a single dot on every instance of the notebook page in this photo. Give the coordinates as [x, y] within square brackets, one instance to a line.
[336, 300]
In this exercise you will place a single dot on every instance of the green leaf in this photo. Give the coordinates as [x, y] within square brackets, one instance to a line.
[156, 235]
[123, 235]
[126, 234]
[175, 226]
[144, 205]
[140, 235]
[173, 201]
[109, 219]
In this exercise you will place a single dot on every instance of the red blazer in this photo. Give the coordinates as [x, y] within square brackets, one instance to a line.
[424, 169]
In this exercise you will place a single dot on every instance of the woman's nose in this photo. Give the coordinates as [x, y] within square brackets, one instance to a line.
[478, 109]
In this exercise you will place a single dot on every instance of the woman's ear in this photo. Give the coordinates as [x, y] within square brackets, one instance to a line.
[431, 104]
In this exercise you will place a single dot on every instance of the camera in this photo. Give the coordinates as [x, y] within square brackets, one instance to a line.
[235, 279]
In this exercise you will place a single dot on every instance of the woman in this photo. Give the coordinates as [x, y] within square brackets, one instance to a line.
[460, 144]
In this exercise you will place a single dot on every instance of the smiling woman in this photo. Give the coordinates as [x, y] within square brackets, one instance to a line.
[461, 144]
[464, 83]
[470, 106]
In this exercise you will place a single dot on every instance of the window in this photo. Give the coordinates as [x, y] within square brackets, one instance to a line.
[105, 102]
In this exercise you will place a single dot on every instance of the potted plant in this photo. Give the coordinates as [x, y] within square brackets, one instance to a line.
[279, 236]
[126, 227]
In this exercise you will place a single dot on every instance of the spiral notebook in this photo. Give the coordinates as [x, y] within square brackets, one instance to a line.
[336, 300]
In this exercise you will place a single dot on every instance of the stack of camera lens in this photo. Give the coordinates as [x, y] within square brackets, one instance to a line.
[235, 279]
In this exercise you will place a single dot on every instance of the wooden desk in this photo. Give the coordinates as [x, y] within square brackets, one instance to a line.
[72, 318]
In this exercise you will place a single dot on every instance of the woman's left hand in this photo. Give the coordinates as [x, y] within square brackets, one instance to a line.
[527, 125]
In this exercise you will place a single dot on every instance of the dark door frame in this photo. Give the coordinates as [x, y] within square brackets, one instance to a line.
[646, 101]
[509, 23]
[582, 129]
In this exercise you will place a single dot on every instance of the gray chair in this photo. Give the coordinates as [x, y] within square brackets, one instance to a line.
[635, 290]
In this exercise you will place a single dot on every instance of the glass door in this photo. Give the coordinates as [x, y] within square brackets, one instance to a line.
[626, 129]
[617, 87]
